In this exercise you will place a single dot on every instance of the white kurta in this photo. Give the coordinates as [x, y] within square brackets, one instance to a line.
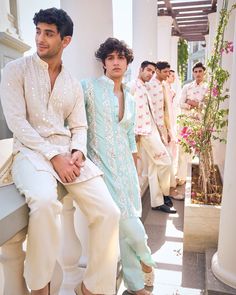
[195, 92]
[36, 114]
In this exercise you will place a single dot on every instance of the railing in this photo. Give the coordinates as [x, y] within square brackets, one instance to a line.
[13, 229]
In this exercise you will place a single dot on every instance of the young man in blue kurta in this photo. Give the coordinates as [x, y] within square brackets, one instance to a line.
[111, 146]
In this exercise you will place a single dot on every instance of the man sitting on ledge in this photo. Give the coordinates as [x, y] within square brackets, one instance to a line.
[44, 108]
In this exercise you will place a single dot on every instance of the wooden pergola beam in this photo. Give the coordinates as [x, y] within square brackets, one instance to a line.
[170, 12]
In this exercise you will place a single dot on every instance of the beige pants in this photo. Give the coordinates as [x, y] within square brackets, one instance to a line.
[43, 243]
[159, 167]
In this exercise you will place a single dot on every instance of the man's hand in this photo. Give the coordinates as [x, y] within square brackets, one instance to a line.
[192, 103]
[64, 167]
[77, 159]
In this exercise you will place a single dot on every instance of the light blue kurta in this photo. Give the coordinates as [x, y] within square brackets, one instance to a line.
[111, 142]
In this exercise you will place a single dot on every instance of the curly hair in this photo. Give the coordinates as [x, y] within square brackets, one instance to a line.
[55, 16]
[111, 45]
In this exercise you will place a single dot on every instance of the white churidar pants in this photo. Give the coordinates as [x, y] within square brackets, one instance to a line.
[159, 168]
[43, 243]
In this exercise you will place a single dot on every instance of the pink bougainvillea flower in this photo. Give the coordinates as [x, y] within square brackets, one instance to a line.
[215, 91]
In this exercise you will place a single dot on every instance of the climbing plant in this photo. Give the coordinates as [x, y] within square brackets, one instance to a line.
[182, 58]
[201, 127]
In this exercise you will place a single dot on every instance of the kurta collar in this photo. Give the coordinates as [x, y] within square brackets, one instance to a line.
[111, 83]
[42, 63]
[195, 83]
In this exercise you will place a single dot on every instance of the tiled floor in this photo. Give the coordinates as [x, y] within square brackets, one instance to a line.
[177, 273]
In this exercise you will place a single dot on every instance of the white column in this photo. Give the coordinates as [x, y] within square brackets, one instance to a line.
[212, 21]
[174, 53]
[144, 33]
[92, 25]
[207, 47]
[12, 259]
[4, 12]
[224, 260]
[164, 38]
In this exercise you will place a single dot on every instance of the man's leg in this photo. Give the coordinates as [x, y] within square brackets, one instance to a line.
[134, 249]
[43, 241]
[103, 217]
[159, 168]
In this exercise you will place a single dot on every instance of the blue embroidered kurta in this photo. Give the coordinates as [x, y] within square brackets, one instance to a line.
[111, 142]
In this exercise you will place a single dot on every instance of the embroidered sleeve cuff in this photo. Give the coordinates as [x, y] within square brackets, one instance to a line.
[51, 154]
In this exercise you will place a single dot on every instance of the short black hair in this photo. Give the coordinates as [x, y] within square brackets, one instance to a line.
[161, 65]
[57, 17]
[146, 63]
[199, 65]
[111, 45]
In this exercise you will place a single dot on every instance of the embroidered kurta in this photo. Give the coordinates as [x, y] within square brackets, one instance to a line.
[111, 142]
[144, 108]
[44, 122]
[194, 92]
[160, 102]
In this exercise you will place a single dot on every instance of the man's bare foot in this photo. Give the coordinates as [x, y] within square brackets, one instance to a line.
[43, 291]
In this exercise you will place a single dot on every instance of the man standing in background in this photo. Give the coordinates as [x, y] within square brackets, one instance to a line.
[149, 137]
[192, 96]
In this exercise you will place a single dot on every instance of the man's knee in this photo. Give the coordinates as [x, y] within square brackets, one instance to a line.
[43, 201]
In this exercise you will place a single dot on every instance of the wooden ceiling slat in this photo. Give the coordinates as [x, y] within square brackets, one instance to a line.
[190, 14]
[192, 18]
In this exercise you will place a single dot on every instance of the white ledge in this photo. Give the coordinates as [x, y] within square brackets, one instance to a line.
[13, 42]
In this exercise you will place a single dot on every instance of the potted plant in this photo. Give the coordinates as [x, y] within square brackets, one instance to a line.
[198, 132]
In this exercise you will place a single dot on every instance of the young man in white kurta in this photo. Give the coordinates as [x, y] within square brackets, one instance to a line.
[148, 135]
[44, 108]
[192, 95]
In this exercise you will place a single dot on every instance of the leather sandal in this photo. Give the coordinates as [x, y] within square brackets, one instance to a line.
[149, 278]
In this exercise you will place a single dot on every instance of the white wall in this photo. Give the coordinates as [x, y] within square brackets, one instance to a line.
[26, 11]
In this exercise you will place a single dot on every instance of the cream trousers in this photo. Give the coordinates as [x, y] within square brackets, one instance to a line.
[159, 167]
[43, 242]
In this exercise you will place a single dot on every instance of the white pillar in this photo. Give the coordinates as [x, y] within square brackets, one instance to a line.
[224, 260]
[212, 21]
[164, 38]
[207, 47]
[12, 259]
[144, 33]
[92, 25]
[174, 53]
[4, 12]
